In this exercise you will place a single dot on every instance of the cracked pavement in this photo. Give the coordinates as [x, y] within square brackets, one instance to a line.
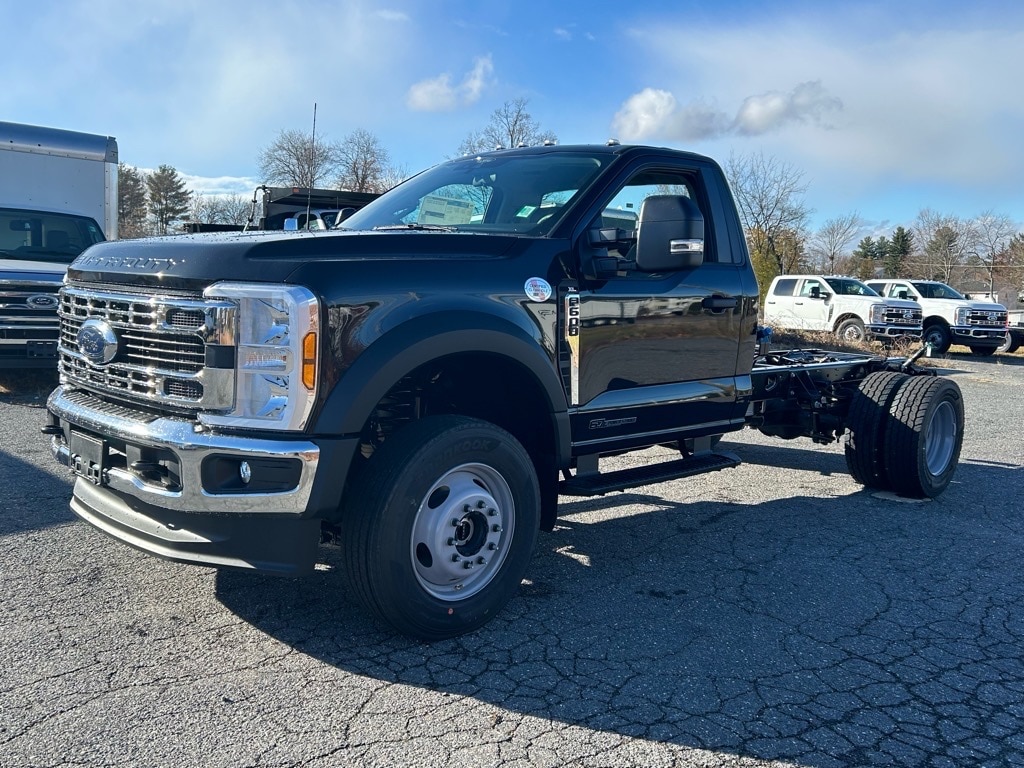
[771, 615]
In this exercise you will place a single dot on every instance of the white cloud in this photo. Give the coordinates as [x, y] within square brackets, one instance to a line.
[924, 109]
[391, 15]
[808, 102]
[655, 113]
[439, 95]
[219, 185]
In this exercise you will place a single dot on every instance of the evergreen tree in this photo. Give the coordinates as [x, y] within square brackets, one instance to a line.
[899, 250]
[131, 201]
[168, 198]
[863, 263]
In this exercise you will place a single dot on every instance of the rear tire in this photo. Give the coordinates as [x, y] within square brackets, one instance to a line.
[438, 531]
[924, 435]
[869, 415]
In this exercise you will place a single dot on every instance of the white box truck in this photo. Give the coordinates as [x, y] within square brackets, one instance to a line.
[58, 196]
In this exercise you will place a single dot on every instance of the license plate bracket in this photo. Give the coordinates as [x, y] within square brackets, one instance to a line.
[88, 457]
[41, 349]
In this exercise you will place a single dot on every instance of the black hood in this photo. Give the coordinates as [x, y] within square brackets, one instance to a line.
[192, 262]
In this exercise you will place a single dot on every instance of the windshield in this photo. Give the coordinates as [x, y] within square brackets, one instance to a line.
[37, 236]
[847, 286]
[937, 291]
[501, 193]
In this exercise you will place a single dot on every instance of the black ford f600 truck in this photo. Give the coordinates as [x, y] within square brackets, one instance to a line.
[421, 386]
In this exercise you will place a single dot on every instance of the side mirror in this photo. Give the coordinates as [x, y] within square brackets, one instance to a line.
[816, 292]
[902, 295]
[670, 234]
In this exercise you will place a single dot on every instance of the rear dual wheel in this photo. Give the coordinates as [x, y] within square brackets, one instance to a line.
[905, 433]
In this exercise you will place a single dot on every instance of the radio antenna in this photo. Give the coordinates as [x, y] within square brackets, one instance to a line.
[312, 169]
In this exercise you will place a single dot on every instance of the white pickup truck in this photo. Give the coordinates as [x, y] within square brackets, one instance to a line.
[842, 305]
[1014, 332]
[949, 316]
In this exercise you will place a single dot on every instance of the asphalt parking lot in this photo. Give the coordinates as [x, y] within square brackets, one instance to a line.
[775, 614]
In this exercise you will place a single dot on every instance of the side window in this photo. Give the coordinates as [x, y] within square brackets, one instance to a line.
[809, 287]
[784, 287]
[622, 211]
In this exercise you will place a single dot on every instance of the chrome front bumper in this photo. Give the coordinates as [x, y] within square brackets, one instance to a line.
[994, 335]
[123, 433]
[894, 331]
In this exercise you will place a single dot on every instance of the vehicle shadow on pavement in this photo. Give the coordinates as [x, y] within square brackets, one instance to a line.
[824, 631]
[32, 498]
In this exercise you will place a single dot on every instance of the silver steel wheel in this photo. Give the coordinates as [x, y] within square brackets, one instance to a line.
[851, 331]
[462, 530]
[940, 438]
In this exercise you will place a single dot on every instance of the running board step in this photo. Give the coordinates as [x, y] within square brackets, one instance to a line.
[599, 483]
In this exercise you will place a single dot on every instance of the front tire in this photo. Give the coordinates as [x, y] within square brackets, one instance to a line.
[923, 436]
[438, 531]
[938, 336]
[851, 331]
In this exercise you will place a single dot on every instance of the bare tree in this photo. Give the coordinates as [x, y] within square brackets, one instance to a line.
[769, 196]
[295, 159]
[203, 209]
[993, 235]
[831, 239]
[945, 241]
[511, 125]
[394, 175]
[363, 163]
[234, 209]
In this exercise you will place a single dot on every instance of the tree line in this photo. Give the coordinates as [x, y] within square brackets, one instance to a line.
[157, 203]
[984, 253]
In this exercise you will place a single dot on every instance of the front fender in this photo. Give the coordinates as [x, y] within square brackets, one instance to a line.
[416, 342]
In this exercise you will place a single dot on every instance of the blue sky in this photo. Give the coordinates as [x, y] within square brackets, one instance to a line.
[886, 107]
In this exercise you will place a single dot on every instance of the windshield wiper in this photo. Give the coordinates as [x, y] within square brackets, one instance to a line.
[415, 228]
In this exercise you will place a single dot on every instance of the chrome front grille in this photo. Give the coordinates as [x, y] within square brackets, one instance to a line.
[161, 350]
[902, 316]
[986, 319]
[28, 310]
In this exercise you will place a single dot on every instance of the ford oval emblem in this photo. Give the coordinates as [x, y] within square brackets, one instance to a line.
[41, 301]
[97, 341]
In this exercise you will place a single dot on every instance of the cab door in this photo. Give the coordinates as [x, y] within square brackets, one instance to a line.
[659, 352]
[812, 304]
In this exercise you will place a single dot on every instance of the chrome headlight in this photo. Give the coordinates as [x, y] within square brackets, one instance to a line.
[962, 314]
[276, 355]
[877, 313]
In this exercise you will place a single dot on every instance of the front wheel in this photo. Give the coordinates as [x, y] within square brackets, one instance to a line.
[938, 336]
[923, 436]
[438, 531]
[851, 331]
